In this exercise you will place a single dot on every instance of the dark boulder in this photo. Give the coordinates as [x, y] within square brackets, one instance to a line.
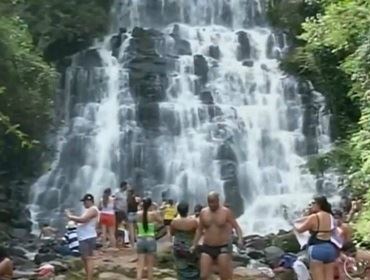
[46, 257]
[287, 242]
[248, 63]
[244, 48]
[206, 97]
[214, 52]
[228, 169]
[201, 68]
[148, 115]
[273, 255]
[20, 233]
[182, 47]
[226, 152]
[233, 197]
[226, 14]
[89, 58]
[255, 254]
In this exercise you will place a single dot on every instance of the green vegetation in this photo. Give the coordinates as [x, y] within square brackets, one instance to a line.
[34, 35]
[333, 51]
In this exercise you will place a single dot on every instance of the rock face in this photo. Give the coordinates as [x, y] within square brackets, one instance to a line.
[14, 217]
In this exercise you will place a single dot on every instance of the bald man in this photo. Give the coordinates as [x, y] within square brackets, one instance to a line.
[215, 222]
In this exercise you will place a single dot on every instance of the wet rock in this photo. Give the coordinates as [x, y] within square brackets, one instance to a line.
[201, 68]
[18, 251]
[226, 14]
[270, 47]
[256, 242]
[22, 222]
[255, 254]
[226, 152]
[148, 114]
[20, 233]
[264, 67]
[244, 48]
[287, 242]
[47, 257]
[273, 255]
[5, 214]
[182, 47]
[248, 63]
[228, 170]
[206, 97]
[89, 58]
[233, 196]
[214, 52]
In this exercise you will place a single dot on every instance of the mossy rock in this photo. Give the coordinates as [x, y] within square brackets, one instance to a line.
[287, 242]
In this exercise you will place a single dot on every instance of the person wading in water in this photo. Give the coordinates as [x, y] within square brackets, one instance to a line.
[215, 222]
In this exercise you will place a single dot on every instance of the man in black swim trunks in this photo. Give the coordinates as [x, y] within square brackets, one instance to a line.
[215, 222]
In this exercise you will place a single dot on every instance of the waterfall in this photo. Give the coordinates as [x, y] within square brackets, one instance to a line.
[185, 97]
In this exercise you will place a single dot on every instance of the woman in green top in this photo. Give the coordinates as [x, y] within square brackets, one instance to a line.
[146, 243]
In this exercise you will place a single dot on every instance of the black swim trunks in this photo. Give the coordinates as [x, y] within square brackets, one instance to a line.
[215, 251]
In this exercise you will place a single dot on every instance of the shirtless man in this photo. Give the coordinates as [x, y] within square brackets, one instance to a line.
[215, 222]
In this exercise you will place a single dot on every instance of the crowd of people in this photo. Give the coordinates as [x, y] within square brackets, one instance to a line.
[203, 238]
[202, 243]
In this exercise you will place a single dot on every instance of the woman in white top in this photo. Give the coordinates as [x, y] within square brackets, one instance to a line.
[86, 232]
[108, 218]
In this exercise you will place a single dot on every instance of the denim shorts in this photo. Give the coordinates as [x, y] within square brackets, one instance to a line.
[146, 245]
[132, 217]
[325, 252]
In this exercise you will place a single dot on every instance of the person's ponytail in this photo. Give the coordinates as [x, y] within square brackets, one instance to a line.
[147, 202]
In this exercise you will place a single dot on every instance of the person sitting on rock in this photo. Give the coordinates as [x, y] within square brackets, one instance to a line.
[290, 261]
[71, 239]
[47, 232]
[6, 265]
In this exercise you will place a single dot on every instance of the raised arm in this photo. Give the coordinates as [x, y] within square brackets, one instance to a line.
[87, 216]
[306, 225]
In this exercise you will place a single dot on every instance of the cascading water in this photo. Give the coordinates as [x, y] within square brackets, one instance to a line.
[196, 104]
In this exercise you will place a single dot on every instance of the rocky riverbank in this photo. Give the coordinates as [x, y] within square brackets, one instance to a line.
[259, 252]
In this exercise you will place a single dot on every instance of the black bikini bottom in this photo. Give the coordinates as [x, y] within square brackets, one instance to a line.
[215, 251]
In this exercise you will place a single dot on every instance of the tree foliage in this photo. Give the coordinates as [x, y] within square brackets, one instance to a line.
[334, 53]
[34, 35]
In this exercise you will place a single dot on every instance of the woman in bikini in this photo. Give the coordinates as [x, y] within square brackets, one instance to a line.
[323, 249]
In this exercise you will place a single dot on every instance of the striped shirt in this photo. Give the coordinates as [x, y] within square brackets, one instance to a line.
[72, 239]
